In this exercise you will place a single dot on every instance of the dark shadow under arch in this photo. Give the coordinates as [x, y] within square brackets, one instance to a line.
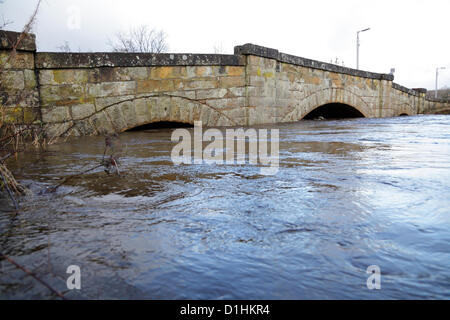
[161, 125]
[403, 115]
[333, 111]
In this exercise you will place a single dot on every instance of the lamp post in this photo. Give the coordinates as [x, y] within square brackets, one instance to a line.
[357, 46]
[437, 73]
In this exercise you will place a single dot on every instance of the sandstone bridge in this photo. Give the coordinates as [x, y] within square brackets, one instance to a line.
[97, 93]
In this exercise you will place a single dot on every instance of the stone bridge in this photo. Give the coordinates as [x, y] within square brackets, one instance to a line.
[98, 93]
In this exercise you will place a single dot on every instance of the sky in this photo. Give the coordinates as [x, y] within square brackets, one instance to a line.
[411, 36]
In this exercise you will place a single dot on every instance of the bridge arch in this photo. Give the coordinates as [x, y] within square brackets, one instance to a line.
[161, 125]
[145, 110]
[328, 96]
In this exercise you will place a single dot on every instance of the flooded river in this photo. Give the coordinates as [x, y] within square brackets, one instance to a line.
[348, 194]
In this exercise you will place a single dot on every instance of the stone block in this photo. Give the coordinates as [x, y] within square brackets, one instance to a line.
[185, 112]
[256, 81]
[237, 92]
[214, 117]
[63, 76]
[19, 60]
[55, 114]
[129, 114]
[82, 111]
[84, 128]
[205, 113]
[30, 79]
[12, 80]
[186, 94]
[101, 123]
[161, 109]
[169, 72]
[261, 101]
[131, 73]
[207, 83]
[234, 71]
[12, 115]
[228, 82]
[261, 91]
[261, 115]
[227, 103]
[196, 110]
[174, 110]
[115, 116]
[211, 93]
[204, 71]
[101, 103]
[67, 92]
[235, 113]
[57, 129]
[18, 40]
[283, 93]
[108, 89]
[148, 86]
[143, 110]
[31, 115]
[224, 122]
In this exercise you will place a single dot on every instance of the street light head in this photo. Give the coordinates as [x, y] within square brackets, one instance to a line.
[367, 29]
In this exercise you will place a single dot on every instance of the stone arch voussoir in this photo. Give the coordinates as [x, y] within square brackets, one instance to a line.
[157, 108]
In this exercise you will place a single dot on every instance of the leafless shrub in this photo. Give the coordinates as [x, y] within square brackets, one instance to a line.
[140, 39]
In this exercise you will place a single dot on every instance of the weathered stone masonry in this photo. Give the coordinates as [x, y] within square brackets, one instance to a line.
[96, 93]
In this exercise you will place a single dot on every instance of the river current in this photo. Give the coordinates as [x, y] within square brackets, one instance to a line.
[348, 194]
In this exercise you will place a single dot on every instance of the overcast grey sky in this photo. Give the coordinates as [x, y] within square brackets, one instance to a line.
[411, 36]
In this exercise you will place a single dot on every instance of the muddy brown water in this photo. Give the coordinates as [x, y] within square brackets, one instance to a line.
[348, 194]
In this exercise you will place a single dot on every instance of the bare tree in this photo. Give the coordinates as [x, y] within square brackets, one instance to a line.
[140, 39]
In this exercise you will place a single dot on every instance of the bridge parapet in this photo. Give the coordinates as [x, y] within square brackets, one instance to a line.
[59, 60]
[255, 50]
